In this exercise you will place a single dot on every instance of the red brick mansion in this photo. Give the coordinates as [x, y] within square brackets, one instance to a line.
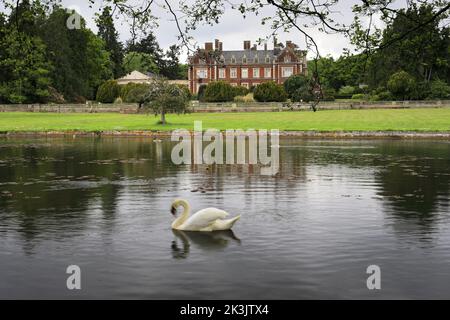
[247, 67]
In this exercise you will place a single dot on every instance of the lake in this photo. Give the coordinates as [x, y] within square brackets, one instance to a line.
[335, 208]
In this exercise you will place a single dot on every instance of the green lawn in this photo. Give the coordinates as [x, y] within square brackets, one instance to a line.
[335, 120]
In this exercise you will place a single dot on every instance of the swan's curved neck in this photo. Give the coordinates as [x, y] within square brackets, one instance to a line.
[183, 217]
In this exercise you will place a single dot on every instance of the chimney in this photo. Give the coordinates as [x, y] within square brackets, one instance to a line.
[220, 46]
[275, 42]
[255, 47]
[216, 44]
[247, 45]
[208, 46]
[265, 46]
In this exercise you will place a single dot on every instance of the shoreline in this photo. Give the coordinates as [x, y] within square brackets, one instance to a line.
[283, 133]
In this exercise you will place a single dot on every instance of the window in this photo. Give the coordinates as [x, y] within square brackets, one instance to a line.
[255, 72]
[244, 72]
[202, 73]
[287, 58]
[286, 72]
[233, 73]
[244, 59]
[256, 59]
[268, 73]
[222, 73]
[267, 59]
[234, 84]
[245, 84]
[233, 59]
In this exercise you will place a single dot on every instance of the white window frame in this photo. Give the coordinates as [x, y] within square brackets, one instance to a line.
[245, 84]
[246, 73]
[244, 59]
[233, 73]
[256, 59]
[267, 73]
[267, 59]
[255, 74]
[285, 74]
[233, 59]
[287, 58]
[222, 73]
[202, 73]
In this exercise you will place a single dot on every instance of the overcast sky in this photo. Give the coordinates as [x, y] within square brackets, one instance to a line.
[232, 30]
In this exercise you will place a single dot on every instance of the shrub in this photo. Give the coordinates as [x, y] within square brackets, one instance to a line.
[358, 96]
[118, 101]
[240, 91]
[328, 94]
[270, 91]
[347, 91]
[385, 96]
[378, 95]
[108, 92]
[439, 90]
[137, 93]
[219, 91]
[246, 98]
[124, 89]
[401, 84]
[297, 87]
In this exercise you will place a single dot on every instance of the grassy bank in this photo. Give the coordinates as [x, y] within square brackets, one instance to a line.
[333, 120]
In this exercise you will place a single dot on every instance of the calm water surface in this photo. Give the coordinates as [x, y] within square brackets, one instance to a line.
[335, 208]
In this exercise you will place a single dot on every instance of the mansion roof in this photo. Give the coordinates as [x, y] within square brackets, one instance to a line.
[251, 54]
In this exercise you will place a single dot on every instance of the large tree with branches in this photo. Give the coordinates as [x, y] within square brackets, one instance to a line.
[307, 17]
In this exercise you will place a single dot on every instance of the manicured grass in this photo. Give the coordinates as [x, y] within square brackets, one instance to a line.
[335, 120]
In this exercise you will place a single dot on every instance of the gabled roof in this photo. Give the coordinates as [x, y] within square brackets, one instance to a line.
[250, 54]
[135, 75]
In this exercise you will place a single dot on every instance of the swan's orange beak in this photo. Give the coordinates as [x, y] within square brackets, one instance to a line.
[173, 210]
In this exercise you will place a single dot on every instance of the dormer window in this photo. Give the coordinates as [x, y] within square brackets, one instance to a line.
[287, 58]
[267, 59]
[244, 59]
[256, 59]
[233, 59]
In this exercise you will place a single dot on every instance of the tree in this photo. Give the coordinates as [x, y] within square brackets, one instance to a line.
[171, 64]
[148, 45]
[401, 84]
[24, 71]
[107, 31]
[423, 53]
[164, 98]
[80, 61]
[142, 62]
[298, 88]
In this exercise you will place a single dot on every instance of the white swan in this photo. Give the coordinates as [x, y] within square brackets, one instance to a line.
[209, 219]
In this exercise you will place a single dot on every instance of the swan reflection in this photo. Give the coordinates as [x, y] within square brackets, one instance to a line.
[207, 241]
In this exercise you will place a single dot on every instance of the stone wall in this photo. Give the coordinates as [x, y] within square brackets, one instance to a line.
[225, 106]
[70, 108]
